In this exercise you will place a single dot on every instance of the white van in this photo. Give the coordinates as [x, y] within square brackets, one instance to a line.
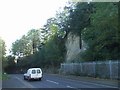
[33, 73]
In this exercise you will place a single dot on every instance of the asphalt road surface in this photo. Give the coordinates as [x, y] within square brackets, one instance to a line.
[51, 81]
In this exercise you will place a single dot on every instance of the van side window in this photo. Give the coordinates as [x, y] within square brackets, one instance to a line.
[33, 71]
[38, 71]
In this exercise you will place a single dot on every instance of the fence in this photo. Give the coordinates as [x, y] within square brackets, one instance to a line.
[101, 69]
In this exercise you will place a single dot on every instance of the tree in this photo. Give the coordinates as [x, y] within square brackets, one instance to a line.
[74, 18]
[80, 18]
[63, 17]
[2, 48]
[102, 36]
[52, 52]
[2, 53]
[34, 37]
[11, 65]
[28, 44]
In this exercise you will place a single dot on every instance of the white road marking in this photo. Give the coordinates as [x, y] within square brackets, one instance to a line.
[69, 86]
[95, 84]
[25, 83]
[100, 85]
[52, 81]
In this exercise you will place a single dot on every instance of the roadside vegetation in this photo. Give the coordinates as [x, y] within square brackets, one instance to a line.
[95, 23]
[4, 77]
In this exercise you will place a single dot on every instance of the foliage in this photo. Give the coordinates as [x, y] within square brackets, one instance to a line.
[28, 44]
[2, 47]
[80, 17]
[2, 53]
[102, 36]
[53, 52]
[74, 18]
[50, 51]
[11, 65]
[46, 47]
[4, 76]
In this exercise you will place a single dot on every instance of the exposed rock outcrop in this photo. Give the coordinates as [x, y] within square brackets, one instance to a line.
[73, 48]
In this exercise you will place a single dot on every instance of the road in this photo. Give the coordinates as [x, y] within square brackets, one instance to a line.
[51, 81]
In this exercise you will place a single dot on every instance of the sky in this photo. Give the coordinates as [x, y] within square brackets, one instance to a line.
[17, 17]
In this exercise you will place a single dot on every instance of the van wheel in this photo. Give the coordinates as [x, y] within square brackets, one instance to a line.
[29, 79]
[24, 78]
[39, 79]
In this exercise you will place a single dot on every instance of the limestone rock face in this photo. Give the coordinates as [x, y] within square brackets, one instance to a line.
[73, 48]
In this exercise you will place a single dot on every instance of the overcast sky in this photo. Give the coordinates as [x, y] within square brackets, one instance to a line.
[17, 17]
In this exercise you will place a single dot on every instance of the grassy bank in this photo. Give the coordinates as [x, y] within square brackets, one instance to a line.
[3, 76]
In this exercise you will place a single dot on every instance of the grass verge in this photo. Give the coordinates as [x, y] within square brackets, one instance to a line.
[3, 76]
